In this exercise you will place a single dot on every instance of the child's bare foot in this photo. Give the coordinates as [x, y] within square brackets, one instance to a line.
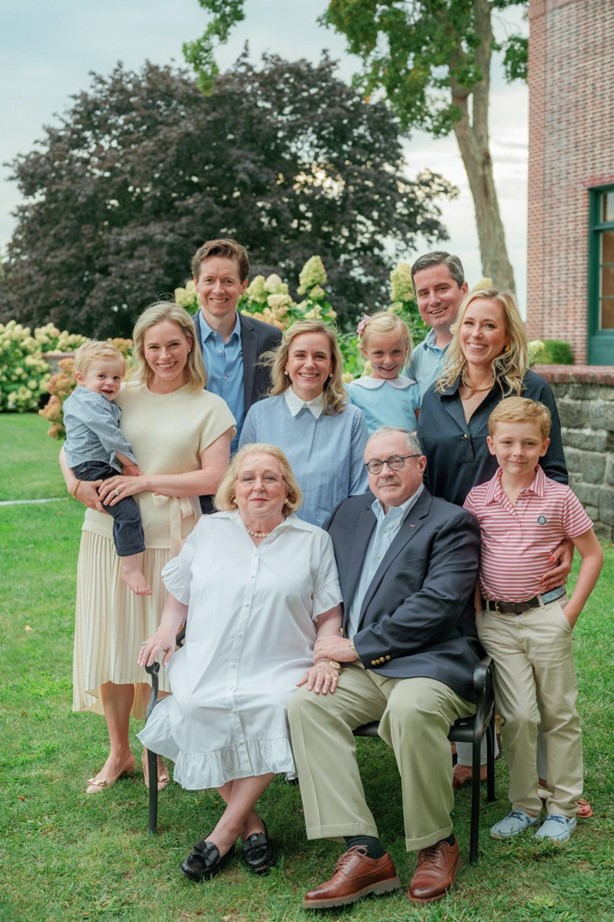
[134, 577]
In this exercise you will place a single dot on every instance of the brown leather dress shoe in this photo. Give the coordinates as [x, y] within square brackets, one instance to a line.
[355, 875]
[436, 869]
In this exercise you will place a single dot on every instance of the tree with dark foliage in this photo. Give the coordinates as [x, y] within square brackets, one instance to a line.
[431, 59]
[143, 168]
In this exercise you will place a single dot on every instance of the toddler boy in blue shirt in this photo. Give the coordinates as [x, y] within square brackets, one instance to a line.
[96, 448]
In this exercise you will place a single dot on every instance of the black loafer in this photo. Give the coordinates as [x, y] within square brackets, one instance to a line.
[258, 853]
[204, 861]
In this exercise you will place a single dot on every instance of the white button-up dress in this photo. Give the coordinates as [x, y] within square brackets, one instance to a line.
[249, 639]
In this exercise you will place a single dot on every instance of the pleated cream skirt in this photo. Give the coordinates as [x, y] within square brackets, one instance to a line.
[111, 622]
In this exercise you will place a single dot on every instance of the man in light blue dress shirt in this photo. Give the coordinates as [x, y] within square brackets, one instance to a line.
[440, 286]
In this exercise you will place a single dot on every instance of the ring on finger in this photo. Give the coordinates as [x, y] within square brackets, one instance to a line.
[116, 491]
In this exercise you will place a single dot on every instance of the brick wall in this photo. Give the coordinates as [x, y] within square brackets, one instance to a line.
[585, 400]
[571, 149]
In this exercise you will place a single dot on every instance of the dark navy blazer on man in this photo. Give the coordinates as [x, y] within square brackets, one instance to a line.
[417, 615]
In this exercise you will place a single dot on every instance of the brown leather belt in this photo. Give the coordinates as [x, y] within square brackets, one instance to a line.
[519, 608]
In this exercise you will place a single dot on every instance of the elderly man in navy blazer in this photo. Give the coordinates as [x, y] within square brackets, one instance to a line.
[408, 566]
[231, 343]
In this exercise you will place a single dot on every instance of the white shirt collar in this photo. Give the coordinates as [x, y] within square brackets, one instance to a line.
[296, 404]
[371, 384]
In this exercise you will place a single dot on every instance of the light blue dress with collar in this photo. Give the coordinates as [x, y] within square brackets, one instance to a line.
[386, 403]
[325, 452]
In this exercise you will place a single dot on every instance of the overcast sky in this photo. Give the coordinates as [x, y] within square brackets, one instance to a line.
[48, 49]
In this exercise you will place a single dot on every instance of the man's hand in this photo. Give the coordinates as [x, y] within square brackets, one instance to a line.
[335, 648]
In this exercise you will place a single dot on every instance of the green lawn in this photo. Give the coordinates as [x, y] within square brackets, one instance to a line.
[66, 856]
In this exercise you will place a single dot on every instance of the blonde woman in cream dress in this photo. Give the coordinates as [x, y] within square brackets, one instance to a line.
[181, 437]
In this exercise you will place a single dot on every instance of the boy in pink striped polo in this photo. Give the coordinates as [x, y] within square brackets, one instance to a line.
[523, 517]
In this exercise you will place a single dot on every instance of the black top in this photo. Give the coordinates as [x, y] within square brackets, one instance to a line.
[456, 451]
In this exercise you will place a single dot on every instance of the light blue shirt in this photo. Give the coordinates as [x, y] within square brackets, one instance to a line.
[426, 362]
[386, 530]
[224, 364]
[92, 429]
[324, 451]
[386, 403]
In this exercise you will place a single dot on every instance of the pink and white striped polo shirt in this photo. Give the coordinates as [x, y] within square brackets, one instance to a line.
[518, 540]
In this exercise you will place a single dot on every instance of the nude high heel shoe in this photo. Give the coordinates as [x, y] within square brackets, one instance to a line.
[97, 785]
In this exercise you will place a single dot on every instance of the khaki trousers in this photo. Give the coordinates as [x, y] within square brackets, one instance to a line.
[415, 717]
[535, 685]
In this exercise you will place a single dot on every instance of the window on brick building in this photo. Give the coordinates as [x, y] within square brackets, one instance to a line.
[601, 280]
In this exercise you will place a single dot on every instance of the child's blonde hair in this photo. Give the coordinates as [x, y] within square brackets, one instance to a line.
[521, 410]
[384, 322]
[95, 350]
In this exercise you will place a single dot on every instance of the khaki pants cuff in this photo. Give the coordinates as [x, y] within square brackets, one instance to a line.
[415, 845]
[341, 830]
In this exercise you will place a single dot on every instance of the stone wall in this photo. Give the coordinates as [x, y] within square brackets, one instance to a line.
[585, 400]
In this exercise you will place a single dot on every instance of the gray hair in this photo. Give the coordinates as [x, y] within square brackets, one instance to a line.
[413, 443]
[440, 258]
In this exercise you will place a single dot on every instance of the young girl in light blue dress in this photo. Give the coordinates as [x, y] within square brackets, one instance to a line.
[385, 396]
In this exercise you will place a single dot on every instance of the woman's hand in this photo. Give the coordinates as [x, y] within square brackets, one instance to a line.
[561, 557]
[116, 488]
[163, 642]
[321, 678]
[87, 493]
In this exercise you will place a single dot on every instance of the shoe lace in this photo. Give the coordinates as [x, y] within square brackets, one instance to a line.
[349, 857]
[557, 818]
[517, 815]
[428, 854]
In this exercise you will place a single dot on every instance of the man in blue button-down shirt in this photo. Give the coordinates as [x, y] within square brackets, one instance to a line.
[231, 342]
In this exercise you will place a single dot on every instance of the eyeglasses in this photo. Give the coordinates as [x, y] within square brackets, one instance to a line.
[395, 463]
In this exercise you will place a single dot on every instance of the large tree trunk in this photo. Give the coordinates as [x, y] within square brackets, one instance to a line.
[473, 141]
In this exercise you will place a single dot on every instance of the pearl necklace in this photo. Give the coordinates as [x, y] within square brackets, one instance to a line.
[261, 534]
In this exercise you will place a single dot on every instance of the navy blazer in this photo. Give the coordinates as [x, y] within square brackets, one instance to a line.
[256, 337]
[416, 614]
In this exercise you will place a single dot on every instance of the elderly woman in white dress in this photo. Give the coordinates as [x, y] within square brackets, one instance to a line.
[255, 585]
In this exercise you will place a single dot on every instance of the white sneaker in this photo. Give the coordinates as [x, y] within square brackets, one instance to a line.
[556, 827]
[516, 821]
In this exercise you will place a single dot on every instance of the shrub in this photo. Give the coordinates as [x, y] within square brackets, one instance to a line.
[23, 370]
[550, 352]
